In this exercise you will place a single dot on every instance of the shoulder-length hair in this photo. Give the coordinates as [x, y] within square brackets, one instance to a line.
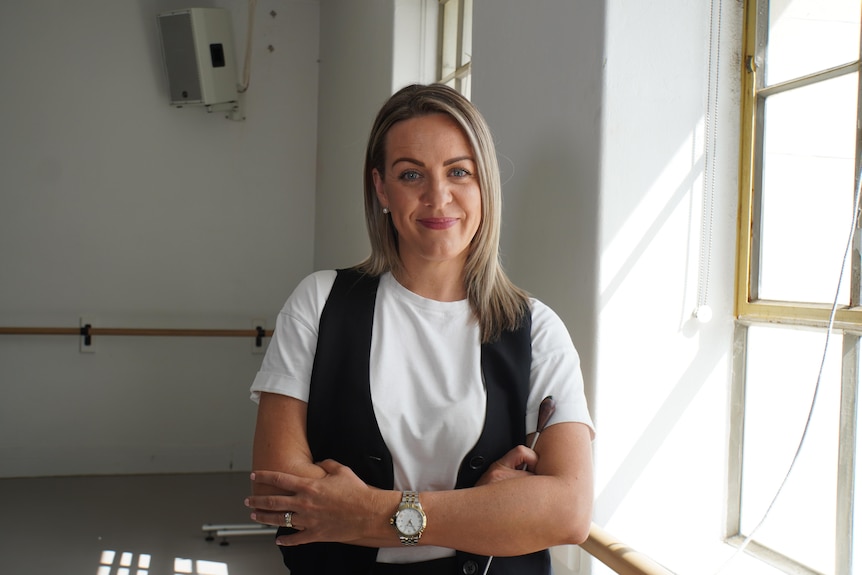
[498, 304]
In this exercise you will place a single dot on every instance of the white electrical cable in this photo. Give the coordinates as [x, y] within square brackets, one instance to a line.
[805, 430]
[246, 68]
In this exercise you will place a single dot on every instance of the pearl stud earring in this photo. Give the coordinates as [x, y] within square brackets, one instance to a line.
[385, 210]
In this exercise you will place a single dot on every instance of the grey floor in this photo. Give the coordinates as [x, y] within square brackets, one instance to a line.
[129, 525]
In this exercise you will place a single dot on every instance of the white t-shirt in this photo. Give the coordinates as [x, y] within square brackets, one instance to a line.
[426, 379]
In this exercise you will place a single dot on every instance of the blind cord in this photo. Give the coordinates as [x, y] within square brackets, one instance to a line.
[702, 312]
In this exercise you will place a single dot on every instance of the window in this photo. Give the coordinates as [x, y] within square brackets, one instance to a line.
[455, 44]
[800, 160]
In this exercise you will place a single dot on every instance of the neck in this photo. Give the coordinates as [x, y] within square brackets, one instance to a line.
[440, 282]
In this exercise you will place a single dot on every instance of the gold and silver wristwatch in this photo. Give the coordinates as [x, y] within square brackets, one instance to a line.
[409, 519]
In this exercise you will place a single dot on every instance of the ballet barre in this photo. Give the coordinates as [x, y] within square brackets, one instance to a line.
[87, 332]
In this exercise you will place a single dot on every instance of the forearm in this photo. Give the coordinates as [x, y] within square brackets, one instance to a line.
[279, 442]
[512, 512]
[508, 518]
[511, 517]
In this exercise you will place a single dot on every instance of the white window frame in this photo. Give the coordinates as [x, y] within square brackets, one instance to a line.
[455, 41]
[750, 310]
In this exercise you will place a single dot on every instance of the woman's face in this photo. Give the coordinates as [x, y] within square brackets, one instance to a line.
[431, 188]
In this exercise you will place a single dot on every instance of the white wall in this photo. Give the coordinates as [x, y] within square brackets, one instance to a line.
[663, 379]
[120, 208]
[355, 71]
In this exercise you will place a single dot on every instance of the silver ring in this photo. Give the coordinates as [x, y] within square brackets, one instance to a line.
[288, 519]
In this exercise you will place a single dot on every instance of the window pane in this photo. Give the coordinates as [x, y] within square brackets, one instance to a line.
[806, 36]
[781, 373]
[807, 191]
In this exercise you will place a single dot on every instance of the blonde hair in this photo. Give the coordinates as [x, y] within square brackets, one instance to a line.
[498, 304]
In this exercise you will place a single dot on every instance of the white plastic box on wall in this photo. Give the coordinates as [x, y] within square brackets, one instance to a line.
[198, 51]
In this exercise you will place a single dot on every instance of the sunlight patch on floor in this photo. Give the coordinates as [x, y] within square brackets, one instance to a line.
[112, 563]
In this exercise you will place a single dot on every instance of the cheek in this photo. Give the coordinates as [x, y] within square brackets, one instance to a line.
[476, 210]
[475, 233]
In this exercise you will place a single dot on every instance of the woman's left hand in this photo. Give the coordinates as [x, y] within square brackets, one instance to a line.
[518, 462]
[336, 507]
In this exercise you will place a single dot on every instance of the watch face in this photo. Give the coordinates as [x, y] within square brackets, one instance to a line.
[409, 521]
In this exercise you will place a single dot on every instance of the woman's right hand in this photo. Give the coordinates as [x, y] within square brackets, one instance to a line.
[338, 507]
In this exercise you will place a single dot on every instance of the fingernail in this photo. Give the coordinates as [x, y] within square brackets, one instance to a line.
[246, 502]
[252, 476]
[254, 516]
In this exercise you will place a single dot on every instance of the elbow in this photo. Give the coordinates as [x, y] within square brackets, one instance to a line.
[579, 521]
[578, 531]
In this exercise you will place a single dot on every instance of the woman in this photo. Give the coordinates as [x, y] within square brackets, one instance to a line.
[395, 396]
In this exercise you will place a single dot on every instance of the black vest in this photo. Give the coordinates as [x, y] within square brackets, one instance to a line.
[342, 426]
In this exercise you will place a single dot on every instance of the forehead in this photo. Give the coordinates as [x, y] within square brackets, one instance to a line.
[432, 133]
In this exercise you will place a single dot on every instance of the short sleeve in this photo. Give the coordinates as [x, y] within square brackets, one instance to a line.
[555, 371]
[287, 364]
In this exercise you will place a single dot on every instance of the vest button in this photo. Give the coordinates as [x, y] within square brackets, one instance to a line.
[470, 568]
[477, 462]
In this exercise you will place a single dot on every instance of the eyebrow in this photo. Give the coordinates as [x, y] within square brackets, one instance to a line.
[409, 160]
[458, 159]
[448, 162]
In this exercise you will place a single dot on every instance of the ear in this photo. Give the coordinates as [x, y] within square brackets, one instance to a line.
[379, 188]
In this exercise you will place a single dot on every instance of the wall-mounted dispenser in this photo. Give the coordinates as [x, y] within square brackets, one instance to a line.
[198, 51]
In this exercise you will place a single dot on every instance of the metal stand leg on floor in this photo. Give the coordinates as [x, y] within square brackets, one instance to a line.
[226, 530]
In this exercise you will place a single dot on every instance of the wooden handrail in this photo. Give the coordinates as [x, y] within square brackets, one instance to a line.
[619, 556]
[131, 331]
[88, 331]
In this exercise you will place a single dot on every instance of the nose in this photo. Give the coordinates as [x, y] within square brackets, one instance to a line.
[437, 193]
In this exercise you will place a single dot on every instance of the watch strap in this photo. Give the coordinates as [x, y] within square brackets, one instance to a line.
[409, 499]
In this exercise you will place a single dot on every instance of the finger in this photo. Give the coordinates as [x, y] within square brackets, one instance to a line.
[270, 502]
[277, 519]
[281, 481]
[298, 538]
[529, 459]
[330, 466]
[499, 472]
[519, 456]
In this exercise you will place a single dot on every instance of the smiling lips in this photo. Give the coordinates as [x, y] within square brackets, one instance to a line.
[438, 223]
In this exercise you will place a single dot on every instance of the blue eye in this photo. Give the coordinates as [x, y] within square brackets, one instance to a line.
[410, 175]
[460, 172]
